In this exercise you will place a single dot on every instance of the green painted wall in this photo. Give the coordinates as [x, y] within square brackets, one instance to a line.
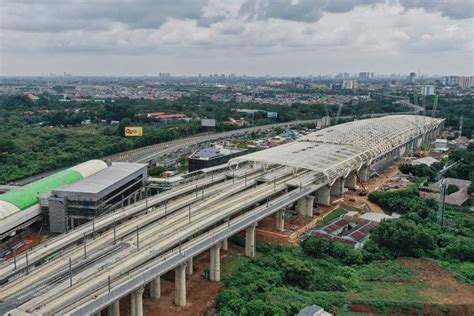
[27, 196]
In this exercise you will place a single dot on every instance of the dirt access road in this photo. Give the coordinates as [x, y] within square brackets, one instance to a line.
[372, 185]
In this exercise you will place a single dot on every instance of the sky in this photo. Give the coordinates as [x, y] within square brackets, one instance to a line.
[252, 37]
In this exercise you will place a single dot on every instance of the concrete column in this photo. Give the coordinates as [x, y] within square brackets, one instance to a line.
[324, 197]
[301, 205]
[337, 188]
[309, 206]
[280, 220]
[363, 173]
[155, 288]
[114, 309]
[304, 206]
[225, 244]
[250, 240]
[137, 302]
[351, 180]
[189, 266]
[180, 285]
[215, 269]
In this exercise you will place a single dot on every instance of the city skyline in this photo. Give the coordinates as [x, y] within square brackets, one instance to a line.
[252, 37]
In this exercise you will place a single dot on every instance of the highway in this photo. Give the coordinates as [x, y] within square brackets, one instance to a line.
[149, 153]
[154, 152]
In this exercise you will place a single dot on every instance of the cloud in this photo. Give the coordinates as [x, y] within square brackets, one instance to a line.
[454, 9]
[286, 32]
[313, 10]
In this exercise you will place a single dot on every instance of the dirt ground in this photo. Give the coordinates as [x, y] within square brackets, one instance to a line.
[201, 293]
[444, 288]
[372, 185]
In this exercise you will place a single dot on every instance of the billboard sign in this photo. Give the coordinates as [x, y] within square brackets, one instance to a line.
[208, 122]
[272, 114]
[133, 131]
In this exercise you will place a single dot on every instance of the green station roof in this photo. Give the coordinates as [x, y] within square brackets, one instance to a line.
[28, 195]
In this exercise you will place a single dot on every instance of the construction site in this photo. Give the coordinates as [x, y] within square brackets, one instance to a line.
[125, 251]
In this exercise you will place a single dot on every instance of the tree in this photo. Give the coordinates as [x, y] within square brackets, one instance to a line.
[121, 127]
[403, 238]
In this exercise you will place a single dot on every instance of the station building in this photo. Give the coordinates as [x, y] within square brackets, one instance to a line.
[109, 189]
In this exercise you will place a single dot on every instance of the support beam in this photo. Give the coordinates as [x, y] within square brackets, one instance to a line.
[250, 240]
[351, 180]
[155, 288]
[137, 302]
[189, 266]
[337, 188]
[180, 285]
[280, 220]
[114, 309]
[225, 244]
[324, 196]
[215, 269]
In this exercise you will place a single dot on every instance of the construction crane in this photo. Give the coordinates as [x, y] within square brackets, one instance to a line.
[435, 106]
[415, 95]
[423, 96]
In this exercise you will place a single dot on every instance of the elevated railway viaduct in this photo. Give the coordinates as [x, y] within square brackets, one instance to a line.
[92, 267]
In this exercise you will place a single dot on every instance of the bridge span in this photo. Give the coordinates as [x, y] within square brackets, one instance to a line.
[95, 265]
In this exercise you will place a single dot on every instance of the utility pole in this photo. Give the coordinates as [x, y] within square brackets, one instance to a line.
[442, 192]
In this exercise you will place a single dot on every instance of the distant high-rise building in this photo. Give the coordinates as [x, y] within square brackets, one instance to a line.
[464, 82]
[428, 90]
[364, 75]
[411, 77]
[349, 84]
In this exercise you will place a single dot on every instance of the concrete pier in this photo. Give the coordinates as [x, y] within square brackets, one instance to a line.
[250, 240]
[114, 309]
[351, 180]
[137, 302]
[363, 173]
[155, 288]
[189, 266]
[215, 269]
[304, 206]
[280, 220]
[337, 189]
[324, 196]
[225, 244]
[180, 285]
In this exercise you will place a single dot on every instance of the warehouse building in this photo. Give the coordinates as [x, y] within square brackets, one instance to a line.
[70, 206]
